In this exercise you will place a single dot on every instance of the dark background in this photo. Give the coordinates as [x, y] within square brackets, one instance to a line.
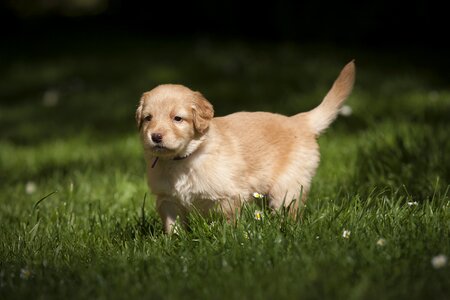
[422, 24]
[240, 54]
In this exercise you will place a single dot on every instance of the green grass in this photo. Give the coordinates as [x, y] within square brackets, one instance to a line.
[95, 237]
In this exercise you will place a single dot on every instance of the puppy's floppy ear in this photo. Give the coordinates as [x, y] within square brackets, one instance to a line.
[203, 112]
[139, 112]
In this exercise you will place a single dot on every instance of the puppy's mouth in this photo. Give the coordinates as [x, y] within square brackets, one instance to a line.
[161, 150]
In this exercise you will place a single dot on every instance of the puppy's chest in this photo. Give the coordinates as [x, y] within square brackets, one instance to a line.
[186, 185]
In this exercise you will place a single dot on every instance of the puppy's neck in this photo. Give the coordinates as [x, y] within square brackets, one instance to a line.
[192, 146]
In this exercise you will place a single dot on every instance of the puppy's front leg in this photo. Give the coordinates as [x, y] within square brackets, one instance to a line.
[169, 210]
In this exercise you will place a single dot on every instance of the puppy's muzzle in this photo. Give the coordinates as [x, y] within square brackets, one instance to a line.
[157, 138]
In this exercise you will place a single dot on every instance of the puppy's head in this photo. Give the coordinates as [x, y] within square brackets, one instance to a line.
[170, 117]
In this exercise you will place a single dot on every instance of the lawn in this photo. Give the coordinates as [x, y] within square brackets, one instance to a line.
[77, 220]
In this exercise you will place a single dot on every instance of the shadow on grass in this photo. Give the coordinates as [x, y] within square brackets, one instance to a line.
[415, 158]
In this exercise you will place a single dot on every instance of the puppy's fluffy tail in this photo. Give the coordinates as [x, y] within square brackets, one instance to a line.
[321, 117]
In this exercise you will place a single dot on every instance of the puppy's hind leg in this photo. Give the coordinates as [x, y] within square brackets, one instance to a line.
[288, 200]
[231, 208]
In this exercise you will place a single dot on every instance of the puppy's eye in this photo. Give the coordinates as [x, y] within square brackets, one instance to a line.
[148, 118]
[178, 119]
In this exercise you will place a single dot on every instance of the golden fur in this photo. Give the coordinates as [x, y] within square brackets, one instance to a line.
[195, 160]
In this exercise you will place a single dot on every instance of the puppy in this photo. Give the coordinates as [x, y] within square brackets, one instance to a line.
[197, 161]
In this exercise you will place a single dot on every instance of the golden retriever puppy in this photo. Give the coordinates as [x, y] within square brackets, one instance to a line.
[197, 161]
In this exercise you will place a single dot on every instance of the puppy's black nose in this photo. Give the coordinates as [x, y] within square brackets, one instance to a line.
[157, 138]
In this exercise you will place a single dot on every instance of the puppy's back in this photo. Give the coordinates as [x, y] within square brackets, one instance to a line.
[261, 144]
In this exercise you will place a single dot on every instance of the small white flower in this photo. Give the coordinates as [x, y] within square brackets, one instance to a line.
[439, 261]
[25, 273]
[50, 98]
[413, 203]
[258, 215]
[381, 242]
[346, 234]
[30, 187]
[346, 111]
[257, 195]
[317, 237]
[176, 230]
[224, 263]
